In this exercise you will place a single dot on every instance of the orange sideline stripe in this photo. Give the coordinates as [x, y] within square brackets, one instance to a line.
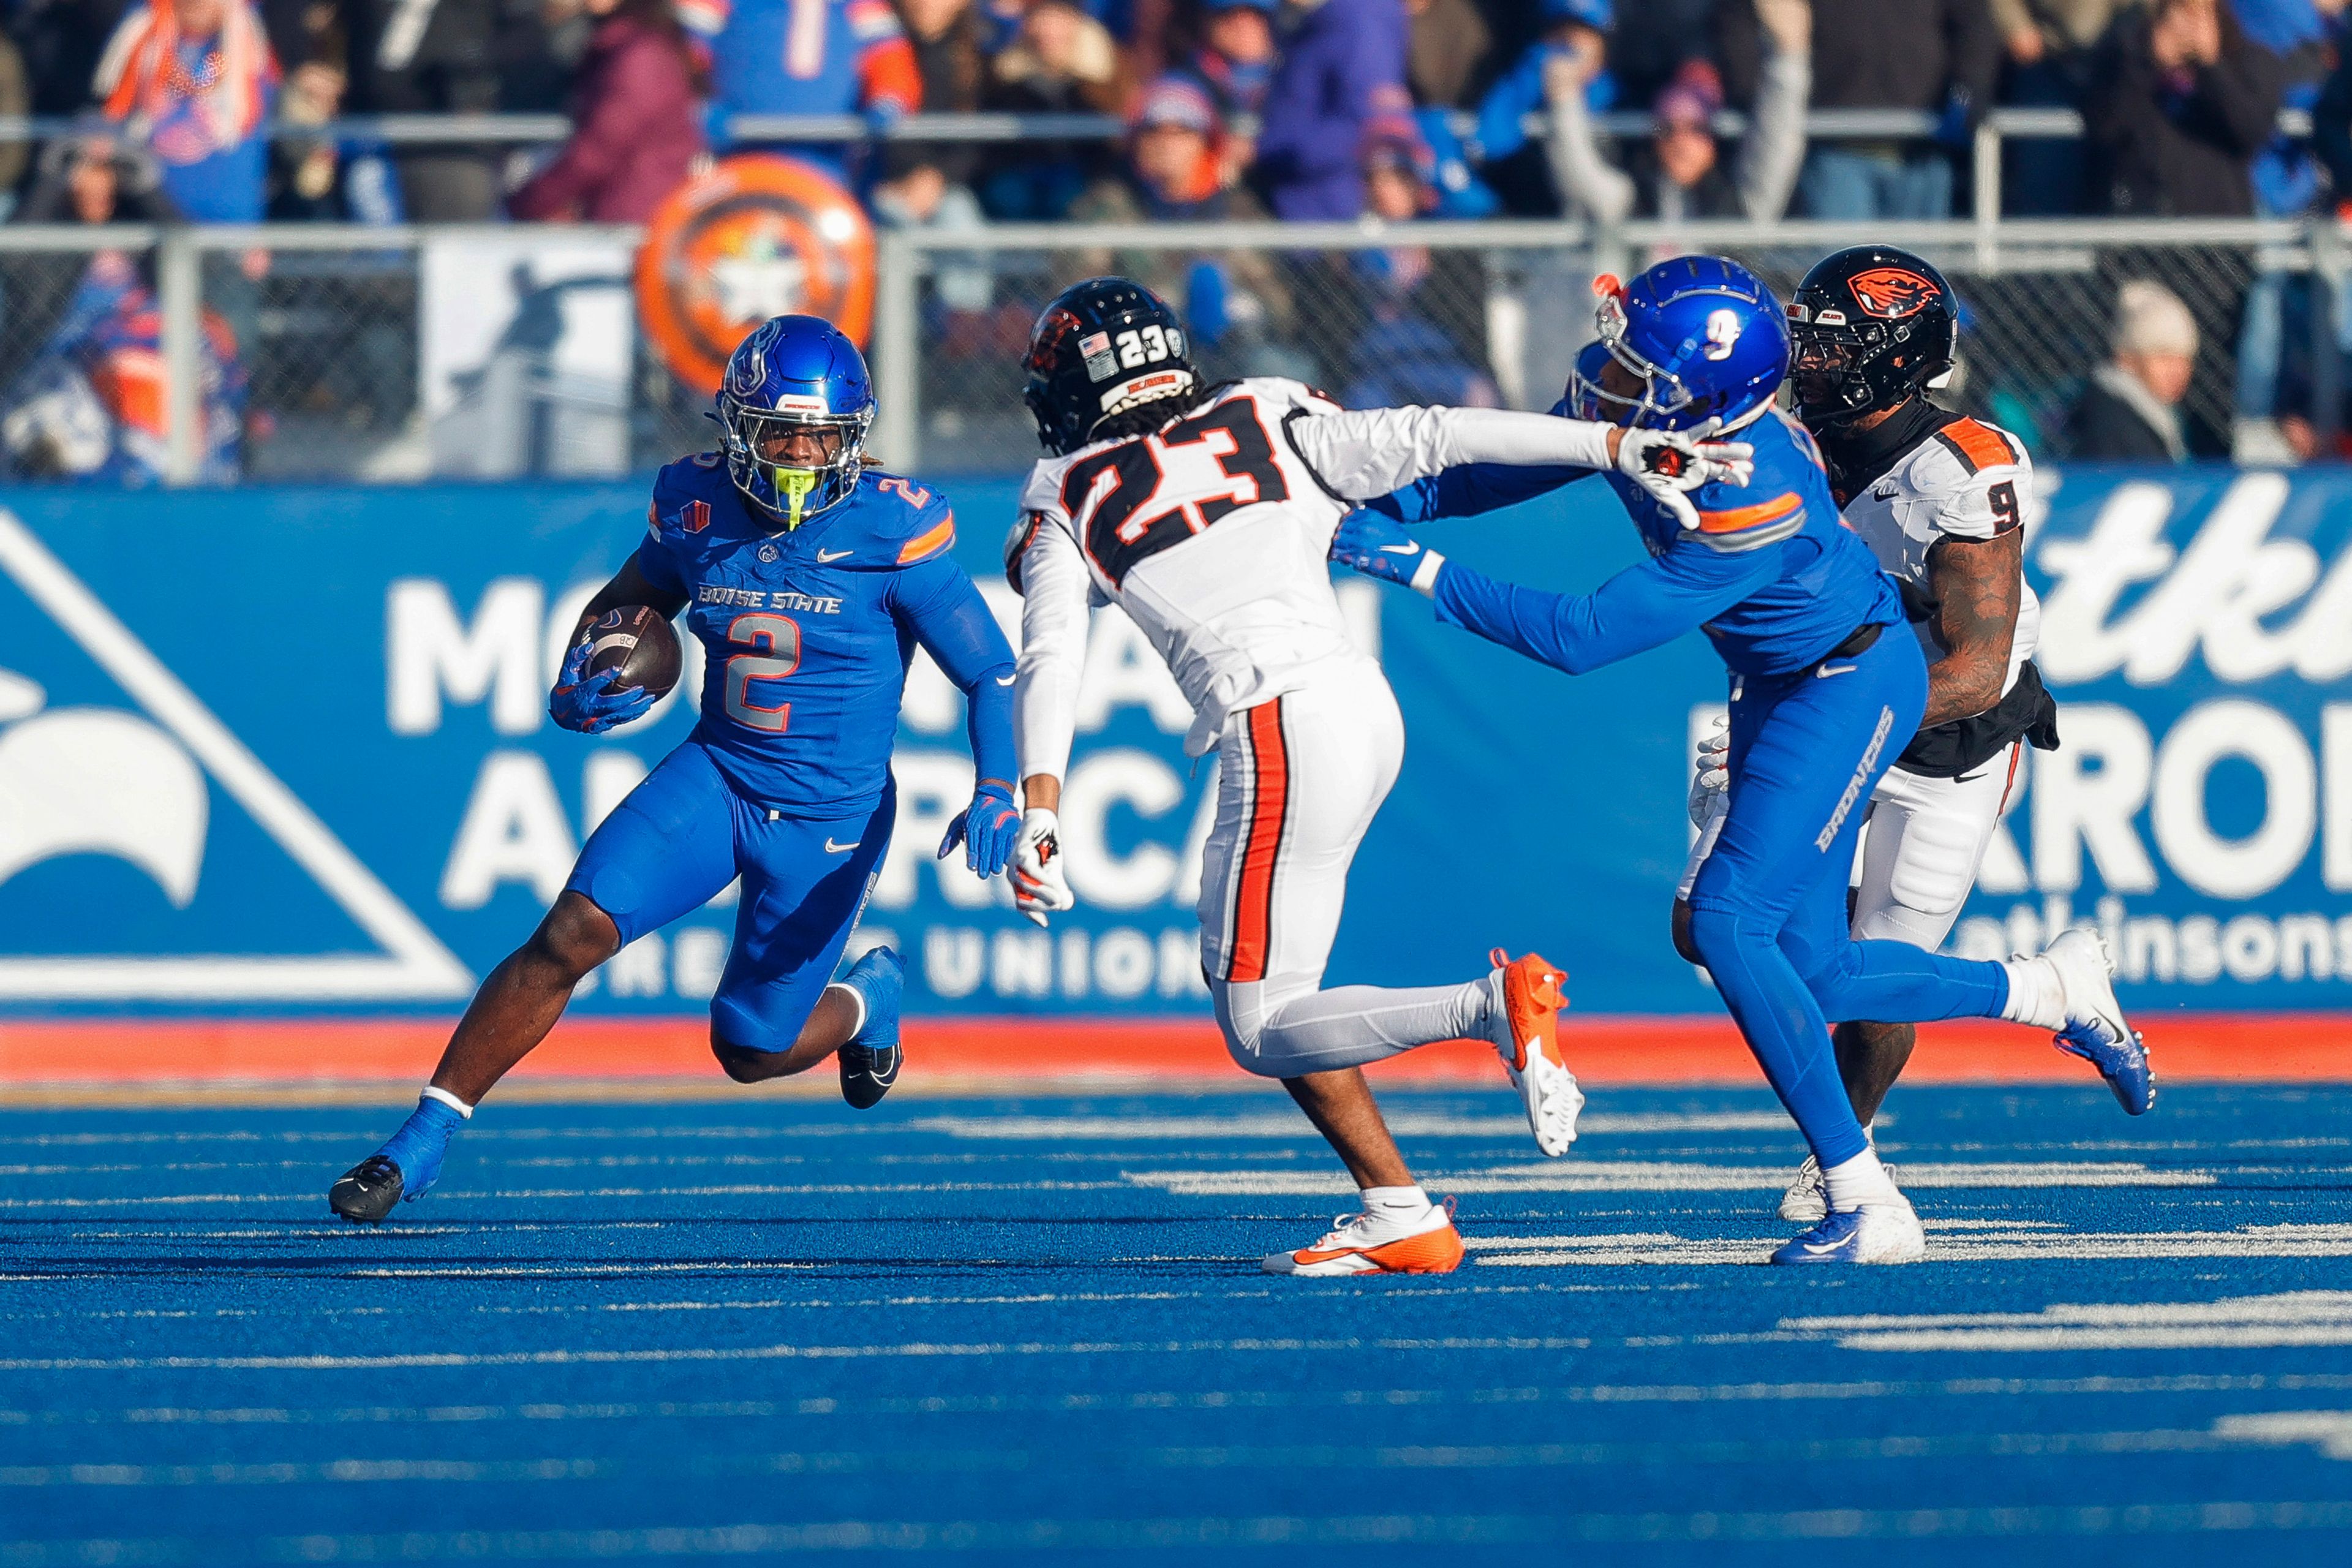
[1254, 900]
[1739, 517]
[2308, 1047]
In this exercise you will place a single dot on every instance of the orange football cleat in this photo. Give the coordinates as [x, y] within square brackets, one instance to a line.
[1525, 1024]
[1369, 1244]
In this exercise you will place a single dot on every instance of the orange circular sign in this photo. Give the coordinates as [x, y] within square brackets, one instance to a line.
[761, 235]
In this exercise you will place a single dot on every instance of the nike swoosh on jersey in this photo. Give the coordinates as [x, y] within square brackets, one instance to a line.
[1828, 669]
[1006, 679]
[825, 555]
[833, 848]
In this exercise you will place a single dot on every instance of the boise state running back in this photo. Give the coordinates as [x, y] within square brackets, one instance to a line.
[809, 579]
[1820, 702]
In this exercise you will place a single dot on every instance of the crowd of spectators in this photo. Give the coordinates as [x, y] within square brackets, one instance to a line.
[241, 111]
[1297, 102]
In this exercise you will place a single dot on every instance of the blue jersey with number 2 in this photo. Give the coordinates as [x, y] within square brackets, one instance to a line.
[807, 635]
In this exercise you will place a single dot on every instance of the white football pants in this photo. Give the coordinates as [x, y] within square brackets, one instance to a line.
[1921, 844]
[1299, 781]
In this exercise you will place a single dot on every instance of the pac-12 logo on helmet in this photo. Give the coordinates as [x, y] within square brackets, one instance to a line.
[1891, 292]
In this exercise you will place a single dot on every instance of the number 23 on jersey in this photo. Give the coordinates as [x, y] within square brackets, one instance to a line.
[1126, 505]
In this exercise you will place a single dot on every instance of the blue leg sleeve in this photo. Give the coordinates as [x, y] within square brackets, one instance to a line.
[1805, 753]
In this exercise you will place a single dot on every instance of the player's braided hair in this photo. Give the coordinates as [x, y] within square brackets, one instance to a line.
[1148, 419]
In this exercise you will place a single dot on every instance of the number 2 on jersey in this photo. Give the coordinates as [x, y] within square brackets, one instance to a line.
[779, 640]
[1132, 518]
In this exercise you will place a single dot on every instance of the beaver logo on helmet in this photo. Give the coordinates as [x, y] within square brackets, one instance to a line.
[1893, 292]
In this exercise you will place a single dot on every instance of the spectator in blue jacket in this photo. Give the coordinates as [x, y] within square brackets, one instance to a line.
[1340, 68]
[1573, 29]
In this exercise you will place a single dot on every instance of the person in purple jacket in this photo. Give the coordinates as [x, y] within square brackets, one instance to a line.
[636, 131]
[1342, 66]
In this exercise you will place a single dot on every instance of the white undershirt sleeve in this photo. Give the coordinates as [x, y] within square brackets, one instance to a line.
[1054, 592]
[1366, 453]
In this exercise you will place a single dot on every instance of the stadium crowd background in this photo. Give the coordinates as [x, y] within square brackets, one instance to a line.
[1403, 110]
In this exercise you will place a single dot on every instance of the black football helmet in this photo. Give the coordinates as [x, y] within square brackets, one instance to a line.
[1870, 327]
[1102, 347]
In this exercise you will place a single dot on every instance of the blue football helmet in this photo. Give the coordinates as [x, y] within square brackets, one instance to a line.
[1703, 335]
[793, 373]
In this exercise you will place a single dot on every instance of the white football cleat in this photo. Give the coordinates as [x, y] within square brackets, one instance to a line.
[1373, 1243]
[1807, 1199]
[1887, 1232]
[2086, 977]
[1524, 1028]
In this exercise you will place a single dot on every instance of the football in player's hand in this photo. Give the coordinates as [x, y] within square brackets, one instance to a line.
[639, 644]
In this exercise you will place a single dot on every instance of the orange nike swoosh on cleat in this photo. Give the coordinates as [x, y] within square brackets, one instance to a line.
[1432, 1252]
[1533, 998]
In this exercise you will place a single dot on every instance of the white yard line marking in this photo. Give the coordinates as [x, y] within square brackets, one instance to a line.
[2330, 1431]
[2238, 1322]
[1981, 1247]
[1656, 1176]
[1225, 1531]
[1283, 1125]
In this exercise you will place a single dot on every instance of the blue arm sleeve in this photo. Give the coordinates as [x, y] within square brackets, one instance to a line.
[1470, 490]
[1640, 608]
[937, 602]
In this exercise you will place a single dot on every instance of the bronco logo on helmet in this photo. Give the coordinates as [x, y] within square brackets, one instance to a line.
[1893, 292]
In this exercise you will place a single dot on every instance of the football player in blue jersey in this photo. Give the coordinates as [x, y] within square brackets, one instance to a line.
[809, 578]
[1821, 702]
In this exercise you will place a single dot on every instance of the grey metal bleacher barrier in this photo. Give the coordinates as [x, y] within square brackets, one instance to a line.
[351, 371]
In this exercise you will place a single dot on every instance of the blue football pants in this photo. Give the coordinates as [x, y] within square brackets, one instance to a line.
[684, 834]
[1768, 910]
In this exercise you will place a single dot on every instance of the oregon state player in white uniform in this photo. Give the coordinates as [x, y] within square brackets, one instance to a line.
[1206, 514]
[1940, 499]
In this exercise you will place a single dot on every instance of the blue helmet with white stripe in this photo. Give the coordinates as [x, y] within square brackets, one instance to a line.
[1702, 336]
[796, 405]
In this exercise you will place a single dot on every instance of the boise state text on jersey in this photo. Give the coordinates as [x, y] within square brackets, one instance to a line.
[808, 633]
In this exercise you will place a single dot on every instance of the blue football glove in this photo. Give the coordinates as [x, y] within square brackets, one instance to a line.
[986, 828]
[1380, 547]
[587, 704]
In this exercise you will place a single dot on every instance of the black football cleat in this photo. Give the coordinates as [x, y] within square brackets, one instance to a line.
[866, 1074]
[370, 1190]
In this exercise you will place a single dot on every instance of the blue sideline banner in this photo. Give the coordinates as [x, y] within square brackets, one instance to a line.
[271, 751]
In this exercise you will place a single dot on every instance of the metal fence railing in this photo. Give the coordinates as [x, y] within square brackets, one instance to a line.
[377, 354]
[1990, 135]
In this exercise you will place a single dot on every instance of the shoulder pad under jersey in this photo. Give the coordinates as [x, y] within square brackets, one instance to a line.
[683, 493]
[1972, 478]
[895, 522]
[1770, 507]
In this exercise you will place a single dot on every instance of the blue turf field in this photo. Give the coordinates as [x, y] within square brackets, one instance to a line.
[1011, 1331]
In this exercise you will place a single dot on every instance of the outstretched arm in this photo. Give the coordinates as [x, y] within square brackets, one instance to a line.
[1640, 608]
[1367, 453]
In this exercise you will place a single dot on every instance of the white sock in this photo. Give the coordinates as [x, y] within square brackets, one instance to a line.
[1395, 1203]
[451, 1100]
[1853, 1183]
[2036, 996]
[857, 997]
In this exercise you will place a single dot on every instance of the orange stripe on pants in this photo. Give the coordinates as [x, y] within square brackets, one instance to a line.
[1270, 795]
